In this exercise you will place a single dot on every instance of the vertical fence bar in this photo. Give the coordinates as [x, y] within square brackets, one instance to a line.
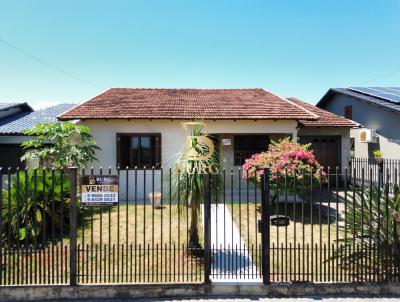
[73, 226]
[207, 228]
[1, 226]
[265, 238]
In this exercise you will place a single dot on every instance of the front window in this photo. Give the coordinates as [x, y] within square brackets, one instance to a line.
[247, 145]
[139, 150]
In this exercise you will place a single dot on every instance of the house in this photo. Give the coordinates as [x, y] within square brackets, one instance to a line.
[376, 109]
[14, 119]
[143, 127]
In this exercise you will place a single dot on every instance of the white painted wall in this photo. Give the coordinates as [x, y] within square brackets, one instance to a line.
[173, 135]
[173, 138]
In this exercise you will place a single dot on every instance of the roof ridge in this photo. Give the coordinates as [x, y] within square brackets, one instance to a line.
[308, 111]
[317, 108]
[212, 89]
[325, 115]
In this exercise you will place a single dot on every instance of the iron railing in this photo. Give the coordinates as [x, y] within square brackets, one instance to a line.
[373, 168]
[341, 231]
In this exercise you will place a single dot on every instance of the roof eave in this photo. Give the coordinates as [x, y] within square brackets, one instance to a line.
[333, 91]
[323, 100]
[69, 118]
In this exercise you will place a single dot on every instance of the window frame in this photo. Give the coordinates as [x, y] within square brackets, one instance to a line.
[235, 163]
[348, 112]
[157, 148]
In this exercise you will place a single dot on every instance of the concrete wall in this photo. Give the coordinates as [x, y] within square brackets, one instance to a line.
[386, 123]
[173, 139]
[247, 290]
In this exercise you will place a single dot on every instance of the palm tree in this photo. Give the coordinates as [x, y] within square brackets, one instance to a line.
[188, 181]
[372, 221]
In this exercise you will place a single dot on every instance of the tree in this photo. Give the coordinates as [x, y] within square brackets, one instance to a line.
[188, 181]
[61, 143]
[289, 163]
[35, 196]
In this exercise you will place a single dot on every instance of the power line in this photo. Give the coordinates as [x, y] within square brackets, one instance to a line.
[27, 54]
[382, 76]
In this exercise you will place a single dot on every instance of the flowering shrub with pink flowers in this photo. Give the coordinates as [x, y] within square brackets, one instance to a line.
[283, 157]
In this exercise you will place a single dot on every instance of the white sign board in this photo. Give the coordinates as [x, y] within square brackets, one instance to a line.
[226, 142]
[98, 190]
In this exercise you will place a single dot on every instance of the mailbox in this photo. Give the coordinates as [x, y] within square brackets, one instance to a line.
[279, 220]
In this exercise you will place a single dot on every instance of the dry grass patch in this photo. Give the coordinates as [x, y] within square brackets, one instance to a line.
[141, 224]
[299, 230]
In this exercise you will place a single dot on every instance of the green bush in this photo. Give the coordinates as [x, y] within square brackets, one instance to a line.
[34, 202]
[372, 222]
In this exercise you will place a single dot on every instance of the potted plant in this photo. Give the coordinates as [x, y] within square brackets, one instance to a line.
[289, 162]
[378, 156]
[155, 199]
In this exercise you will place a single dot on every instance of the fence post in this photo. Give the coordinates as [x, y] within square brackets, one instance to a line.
[73, 173]
[207, 228]
[265, 214]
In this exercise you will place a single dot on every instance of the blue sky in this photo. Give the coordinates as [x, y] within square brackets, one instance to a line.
[292, 48]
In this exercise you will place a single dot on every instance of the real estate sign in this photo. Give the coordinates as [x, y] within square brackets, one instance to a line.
[98, 190]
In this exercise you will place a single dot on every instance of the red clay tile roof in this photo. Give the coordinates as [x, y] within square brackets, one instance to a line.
[327, 119]
[127, 103]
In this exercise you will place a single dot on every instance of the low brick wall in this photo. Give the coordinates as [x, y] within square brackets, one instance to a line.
[23, 293]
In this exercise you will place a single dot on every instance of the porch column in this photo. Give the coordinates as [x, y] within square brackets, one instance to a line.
[294, 135]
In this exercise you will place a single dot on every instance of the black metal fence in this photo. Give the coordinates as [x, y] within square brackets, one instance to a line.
[344, 233]
[375, 167]
[161, 232]
[144, 238]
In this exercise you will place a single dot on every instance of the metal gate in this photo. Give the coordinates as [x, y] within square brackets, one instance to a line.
[237, 228]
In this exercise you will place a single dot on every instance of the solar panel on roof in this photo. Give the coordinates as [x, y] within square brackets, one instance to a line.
[391, 94]
[386, 90]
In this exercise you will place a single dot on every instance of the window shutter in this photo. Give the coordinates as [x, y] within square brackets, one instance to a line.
[158, 151]
[118, 150]
[348, 112]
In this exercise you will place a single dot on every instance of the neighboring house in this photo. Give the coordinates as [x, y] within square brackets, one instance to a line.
[376, 109]
[329, 136]
[9, 109]
[14, 119]
[143, 127]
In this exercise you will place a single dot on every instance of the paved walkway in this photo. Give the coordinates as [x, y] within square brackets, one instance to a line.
[231, 259]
